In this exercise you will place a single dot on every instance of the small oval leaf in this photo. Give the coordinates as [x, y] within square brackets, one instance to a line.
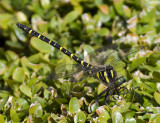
[156, 76]
[156, 96]
[71, 16]
[2, 118]
[40, 45]
[117, 117]
[80, 117]
[26, 90]
[19, 74]
[73, 105]
[131, 120]
[36, 109]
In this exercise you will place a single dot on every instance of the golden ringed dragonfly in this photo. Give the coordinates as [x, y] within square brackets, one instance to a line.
[107, 74]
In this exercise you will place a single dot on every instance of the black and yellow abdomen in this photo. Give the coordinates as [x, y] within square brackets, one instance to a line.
[54, 44]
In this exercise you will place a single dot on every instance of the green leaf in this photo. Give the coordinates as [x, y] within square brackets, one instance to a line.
[42, 101]
[156, 76]
[145, 93]
[117, 117]
[71, 16]
[32, 81]
[65, 88]
[144, 29]
[127, 11]
[22, 103]
[14, 115]
[36, 110]
[150, 68]
[26, 90]
[4, 98]
[90, 29]
[20, 34]
[158, 86]
[63, 120]
[147, 16]
[118, 5]
[45, 4]
[137, 62]
[153, 58]
[19, 74]
[10, 55]
[125, 107]
[103, 32]
[143, 85]
[92, 107]
[5, 20]
[43, 27]
[41, 45]
[156, 97]
[21, 16]
[35, 58]
[100, 120]
[88, 48]
[104, 17]
[36, 88]
[102, 112]
[156, 110]
[101, 87]
[104, 8]
[80, 117]
[130, 114]
[73, 105]
[2, 118]
[131, 120]
[45, 117]
[140, 121]
[155, 118]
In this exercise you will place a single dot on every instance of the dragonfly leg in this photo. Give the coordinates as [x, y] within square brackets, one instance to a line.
[104, 91]
[124, 90]
[107, 95]
[116, 90]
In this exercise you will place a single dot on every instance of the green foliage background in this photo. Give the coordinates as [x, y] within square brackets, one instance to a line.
[80, 26]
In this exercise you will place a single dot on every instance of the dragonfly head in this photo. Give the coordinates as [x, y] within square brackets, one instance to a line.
[120, 81]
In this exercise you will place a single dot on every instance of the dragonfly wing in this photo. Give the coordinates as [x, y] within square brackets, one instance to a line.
[65, 70]
[114, 57]
[100, 54]
[119, 60]
[111, 54]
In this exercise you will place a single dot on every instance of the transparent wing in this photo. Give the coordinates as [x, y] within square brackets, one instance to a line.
[66, 70]
[98, 57]
[111, 54]
[118, 58]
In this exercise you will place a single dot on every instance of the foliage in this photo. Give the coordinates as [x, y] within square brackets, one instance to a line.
[80, 26]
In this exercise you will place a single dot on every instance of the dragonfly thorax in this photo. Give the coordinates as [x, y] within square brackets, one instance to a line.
[106, 74]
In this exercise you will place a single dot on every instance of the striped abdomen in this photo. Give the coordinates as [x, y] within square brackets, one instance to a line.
[54, 44]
